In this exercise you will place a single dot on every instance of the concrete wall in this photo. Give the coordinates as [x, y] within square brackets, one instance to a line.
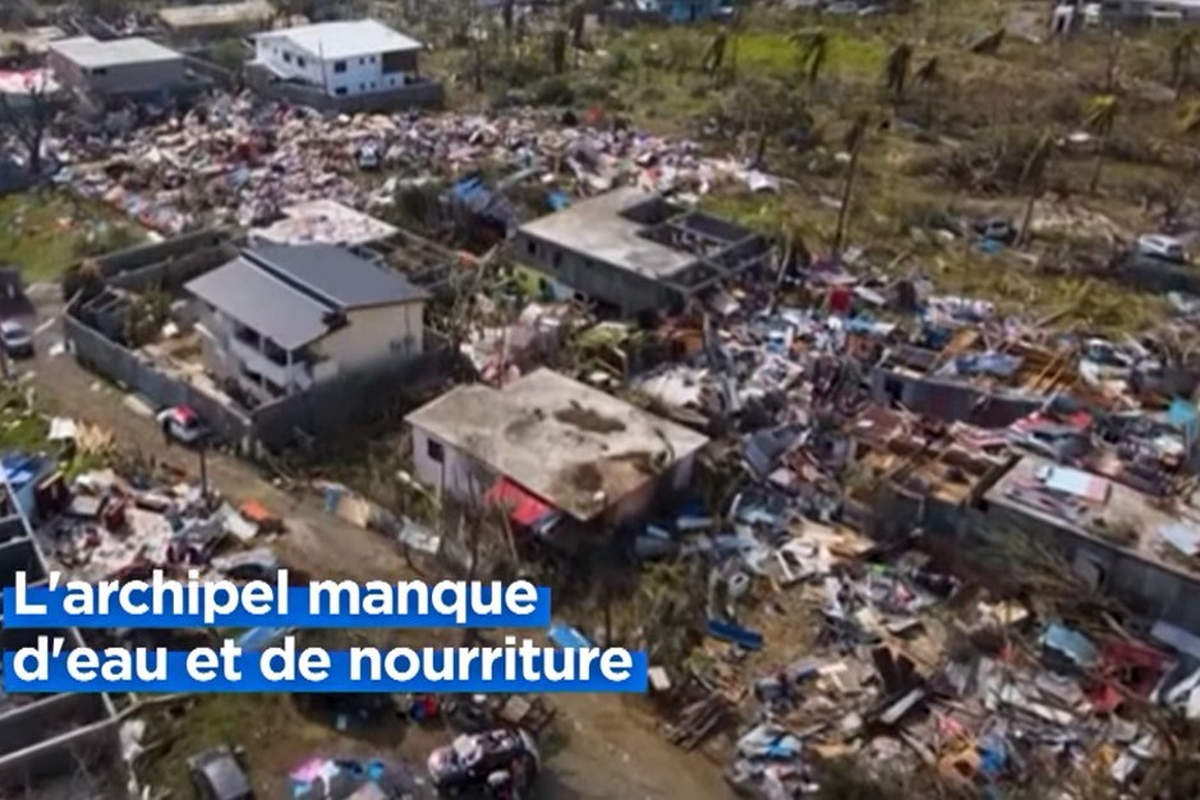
[341, 77]
[460, 476]
[950, 400]
[108, 358]
[164, 256]
[121, 79]
[92, 744]
[1147, 588]
[426, 93]
[352, 398]
[626, 290]
[375, 335]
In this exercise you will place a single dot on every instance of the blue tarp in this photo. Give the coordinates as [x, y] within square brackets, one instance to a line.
[1071, 643]
[729, 631]
[564, 635]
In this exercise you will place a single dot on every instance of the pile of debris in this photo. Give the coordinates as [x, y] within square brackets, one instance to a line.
[235, 159]
[103, 526]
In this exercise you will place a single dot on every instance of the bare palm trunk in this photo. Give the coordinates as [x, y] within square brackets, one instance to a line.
[1094, 183]
[839, 235]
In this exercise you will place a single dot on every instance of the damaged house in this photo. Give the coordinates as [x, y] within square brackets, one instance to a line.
[279, 319]
[634, 251]
[546, 443]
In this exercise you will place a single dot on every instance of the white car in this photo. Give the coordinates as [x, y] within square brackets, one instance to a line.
[183, 424]
[16, 339]
[1165, 248]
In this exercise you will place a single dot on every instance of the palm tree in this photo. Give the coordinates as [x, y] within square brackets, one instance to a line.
[1182, 53]
[895, 70]
[814, 50]
[1099, 116]
[1033, 174]
[854, 143]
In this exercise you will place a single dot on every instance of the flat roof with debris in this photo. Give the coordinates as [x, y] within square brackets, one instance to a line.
[347, 38]
[640, 232]
[575, 447]
[325, 221]
[598, 228]
[1162, 532]
[215, 14]
[93, 53]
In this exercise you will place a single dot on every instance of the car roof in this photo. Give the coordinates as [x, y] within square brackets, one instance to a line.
[11, 325]
[225, 776]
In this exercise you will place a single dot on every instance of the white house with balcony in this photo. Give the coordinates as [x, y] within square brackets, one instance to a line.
[342, 58]
[279, 319]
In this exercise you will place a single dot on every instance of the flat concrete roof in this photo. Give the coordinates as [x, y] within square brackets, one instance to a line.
[596, 228]
[347, 38]
[577, 448]
[92, 53]
[217, 14]
[1124, 509]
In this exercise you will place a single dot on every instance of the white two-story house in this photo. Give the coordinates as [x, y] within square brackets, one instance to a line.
[279, 319]
[341, 58]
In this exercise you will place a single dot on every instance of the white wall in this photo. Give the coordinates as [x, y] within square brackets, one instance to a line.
[362, 74]
[376, 334]
[458, 475]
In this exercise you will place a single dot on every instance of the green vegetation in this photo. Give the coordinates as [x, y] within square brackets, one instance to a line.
[46, 231]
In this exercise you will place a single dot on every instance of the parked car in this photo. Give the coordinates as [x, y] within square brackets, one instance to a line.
[218, 774]
[1164, 248]
[18, 343]
[182, 424]
[477, 761]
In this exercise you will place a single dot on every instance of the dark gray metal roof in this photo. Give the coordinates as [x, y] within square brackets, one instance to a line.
[336, 274]
[255, 298]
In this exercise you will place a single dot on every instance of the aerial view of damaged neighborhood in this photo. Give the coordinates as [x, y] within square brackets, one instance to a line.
[843, 356]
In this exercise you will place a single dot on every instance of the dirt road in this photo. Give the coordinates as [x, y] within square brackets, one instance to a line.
[612, 750]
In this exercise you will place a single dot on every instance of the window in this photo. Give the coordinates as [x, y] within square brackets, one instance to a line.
[287, 57]
[299, 61]
[100, 71]
[339, 66]
[531, 247]
[434, 450]
[362, 87]
[393, 82]
[556, 259]
[372, 84]
[340, 90]
[362, 61]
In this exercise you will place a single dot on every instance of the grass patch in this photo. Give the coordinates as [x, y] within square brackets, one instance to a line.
[43, 232]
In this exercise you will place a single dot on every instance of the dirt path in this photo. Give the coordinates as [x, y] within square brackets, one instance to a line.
[612, 749]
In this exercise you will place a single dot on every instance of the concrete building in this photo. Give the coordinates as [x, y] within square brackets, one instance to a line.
[342, 59]
[279, 319]
[134, 67]
[576, 449]
[1152, 11]
[1117, 539]
[210, 20]
[636, 252]
[44, 739]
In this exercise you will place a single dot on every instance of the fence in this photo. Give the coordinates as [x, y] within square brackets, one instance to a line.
[324, 408]
[100, 354]
[263, 81]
